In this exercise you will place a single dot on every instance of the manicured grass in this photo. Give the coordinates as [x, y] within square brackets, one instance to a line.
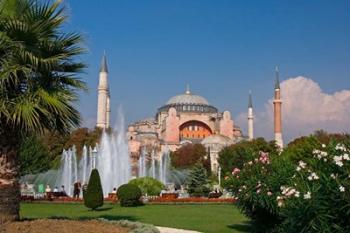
[211, 218]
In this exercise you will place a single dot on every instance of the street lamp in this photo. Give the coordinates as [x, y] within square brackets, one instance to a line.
[93, 158]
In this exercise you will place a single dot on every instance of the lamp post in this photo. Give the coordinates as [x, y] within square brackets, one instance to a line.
[93, 158]
[219, 176]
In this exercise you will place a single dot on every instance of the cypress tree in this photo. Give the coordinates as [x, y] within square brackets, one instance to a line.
[93, 197]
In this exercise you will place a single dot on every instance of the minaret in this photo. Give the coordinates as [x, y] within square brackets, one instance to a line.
[250, 118]
[277, 107]
[103, 108]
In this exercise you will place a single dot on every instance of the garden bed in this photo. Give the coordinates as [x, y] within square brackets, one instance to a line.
[192, 200]
[62, 226]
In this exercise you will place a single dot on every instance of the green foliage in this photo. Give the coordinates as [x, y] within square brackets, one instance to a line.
[303, 189]
[198, 184]
[237, 154]
[38, 78]
[93, 197]
[188, 155]
[129, 195]
[148, 185]
[33, 156]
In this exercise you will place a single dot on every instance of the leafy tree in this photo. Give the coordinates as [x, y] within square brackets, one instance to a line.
[189, 155]
[93, 197]
[38, 84]
[33, 156]
[129, 195]
[237, 154]
[148, 185]
[198, 184]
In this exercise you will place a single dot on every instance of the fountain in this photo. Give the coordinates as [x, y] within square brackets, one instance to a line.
[110, 158]
[158, 168]
[68, 174]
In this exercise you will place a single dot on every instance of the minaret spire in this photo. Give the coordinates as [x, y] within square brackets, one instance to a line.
[250, 118]
[103, 101]
[104, 67]
[277, 107]
[277, 82]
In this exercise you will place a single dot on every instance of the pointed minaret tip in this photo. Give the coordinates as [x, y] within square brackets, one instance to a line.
[250, 103]
[104, 67]
[188, 92]
[277, 82]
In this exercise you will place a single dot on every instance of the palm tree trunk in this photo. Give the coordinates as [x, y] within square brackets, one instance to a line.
[9, 178]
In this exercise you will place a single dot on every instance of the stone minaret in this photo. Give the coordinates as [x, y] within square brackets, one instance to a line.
[103, 103]
[250, 118]
[277, 107]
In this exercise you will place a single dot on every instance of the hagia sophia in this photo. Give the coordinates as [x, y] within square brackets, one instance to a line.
[184, 118]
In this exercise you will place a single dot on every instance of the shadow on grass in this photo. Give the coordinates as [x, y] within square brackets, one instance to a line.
[245, 227]
[110, 217]
[103, 209]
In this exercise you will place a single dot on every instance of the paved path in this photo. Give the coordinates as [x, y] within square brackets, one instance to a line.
[174, 230]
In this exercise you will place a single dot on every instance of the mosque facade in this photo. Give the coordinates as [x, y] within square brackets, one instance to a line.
[184, 118]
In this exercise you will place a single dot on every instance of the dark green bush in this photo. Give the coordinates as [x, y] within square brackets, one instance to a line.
[129, 195]
[148, 185]
[93, 197]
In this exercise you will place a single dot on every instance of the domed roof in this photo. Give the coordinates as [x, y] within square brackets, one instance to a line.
[188, 98]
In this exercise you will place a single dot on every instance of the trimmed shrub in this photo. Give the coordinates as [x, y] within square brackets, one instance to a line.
[93, 197]
[148, 185]
[129, 195]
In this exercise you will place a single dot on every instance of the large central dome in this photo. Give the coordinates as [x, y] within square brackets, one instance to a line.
[188, 103]
[188, 99]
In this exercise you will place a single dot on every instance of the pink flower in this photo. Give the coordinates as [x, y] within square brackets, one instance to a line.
[264, 157]
[235, 171]
[269, 193]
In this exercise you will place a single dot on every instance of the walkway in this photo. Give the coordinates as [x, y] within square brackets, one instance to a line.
[174, 230]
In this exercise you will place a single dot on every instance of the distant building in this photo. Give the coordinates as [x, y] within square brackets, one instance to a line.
[185, 118]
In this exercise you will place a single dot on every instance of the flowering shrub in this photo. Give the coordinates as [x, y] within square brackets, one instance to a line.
[303, 189]
[256, 190]
[323, 184]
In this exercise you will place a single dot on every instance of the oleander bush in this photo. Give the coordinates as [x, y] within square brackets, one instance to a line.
[129, 195]
[303, 189]
[148, 185]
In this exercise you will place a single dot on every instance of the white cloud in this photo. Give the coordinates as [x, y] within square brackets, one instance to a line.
[305, 108]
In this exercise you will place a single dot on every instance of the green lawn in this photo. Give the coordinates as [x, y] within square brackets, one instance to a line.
[211, 218]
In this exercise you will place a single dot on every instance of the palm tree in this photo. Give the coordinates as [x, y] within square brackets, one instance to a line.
[38, 84]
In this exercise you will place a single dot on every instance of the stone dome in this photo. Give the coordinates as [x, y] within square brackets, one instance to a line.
[188, 98]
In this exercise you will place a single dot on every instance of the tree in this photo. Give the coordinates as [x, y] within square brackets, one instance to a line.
[188, 156]
[38, 84]
[93, 197]
[33, 156]
[198, 184]
[237, 154]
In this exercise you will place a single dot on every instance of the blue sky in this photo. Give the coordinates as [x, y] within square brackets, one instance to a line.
[221, 48]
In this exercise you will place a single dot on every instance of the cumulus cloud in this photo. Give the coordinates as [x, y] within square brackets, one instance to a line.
[305, 108]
